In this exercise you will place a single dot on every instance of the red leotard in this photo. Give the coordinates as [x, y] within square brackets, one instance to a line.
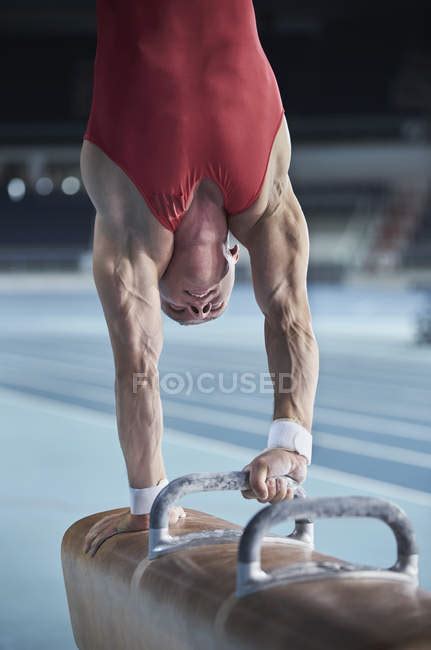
[183, 91]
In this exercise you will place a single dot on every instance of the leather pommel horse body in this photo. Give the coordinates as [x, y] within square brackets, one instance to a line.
[200, 590]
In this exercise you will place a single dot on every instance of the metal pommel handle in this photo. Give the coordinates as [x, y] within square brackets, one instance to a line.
[161, 542]
[251, 577]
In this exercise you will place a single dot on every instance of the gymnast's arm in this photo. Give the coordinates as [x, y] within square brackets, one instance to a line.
[279, 250]
[127, 282]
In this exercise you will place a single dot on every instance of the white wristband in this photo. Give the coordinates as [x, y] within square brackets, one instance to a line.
[290, 435]
[141, 499]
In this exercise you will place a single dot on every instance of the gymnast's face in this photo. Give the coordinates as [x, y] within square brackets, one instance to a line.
[197, 284]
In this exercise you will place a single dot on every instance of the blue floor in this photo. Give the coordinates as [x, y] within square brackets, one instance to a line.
[61, 459]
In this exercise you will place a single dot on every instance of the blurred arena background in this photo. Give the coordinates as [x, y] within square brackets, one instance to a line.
[356, 84]
[356, 88]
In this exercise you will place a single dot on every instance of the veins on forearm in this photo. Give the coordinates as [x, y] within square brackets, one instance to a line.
[135, 330]
[139, 418]
[293, 363]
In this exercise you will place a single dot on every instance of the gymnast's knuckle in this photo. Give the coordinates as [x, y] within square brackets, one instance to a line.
[258, 482]
[300, 473]
[259, 463]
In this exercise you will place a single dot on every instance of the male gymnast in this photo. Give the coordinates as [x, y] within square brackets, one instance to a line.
[187, 141]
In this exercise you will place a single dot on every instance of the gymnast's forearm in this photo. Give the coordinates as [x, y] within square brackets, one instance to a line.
[140, 425]
[293, 360]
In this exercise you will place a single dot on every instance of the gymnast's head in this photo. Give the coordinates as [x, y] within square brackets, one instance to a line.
[198, 281]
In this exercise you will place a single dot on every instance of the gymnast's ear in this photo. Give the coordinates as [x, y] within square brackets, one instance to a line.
[234, 252]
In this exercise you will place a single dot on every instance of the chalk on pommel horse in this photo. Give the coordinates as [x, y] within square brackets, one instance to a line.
[212, 586]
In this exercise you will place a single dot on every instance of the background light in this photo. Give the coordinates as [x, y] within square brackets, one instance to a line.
[44, 186]
[70, 185]
[16, 189]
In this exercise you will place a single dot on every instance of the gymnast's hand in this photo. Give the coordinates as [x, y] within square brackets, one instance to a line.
[122, 522]
[270, 463]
